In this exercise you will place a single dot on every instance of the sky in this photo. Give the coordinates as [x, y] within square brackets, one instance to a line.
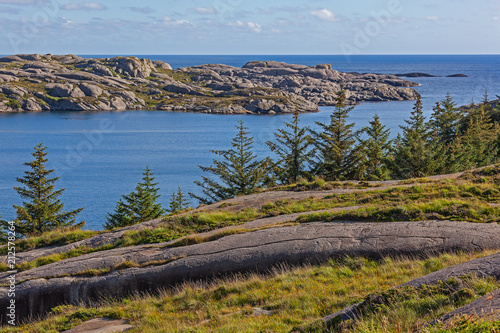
[250, 27]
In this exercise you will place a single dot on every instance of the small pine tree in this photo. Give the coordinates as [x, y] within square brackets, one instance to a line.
[293, 152]
[43, 212]
[413, 155]
[238, 172]
[337, 156]
[376, 150]
[138, 206]
[178, 201]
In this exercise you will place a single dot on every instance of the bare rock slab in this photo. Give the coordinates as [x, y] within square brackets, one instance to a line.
[101, 325]
[45, 287]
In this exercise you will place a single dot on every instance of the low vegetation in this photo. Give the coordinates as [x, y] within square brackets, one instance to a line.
[467, 324]
[295, 298]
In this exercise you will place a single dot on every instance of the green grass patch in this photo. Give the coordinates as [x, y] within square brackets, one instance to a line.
[79, 251]
[437, 209]
[56, 237]
[12, 103]
[187, 224]
[466, 324]
[409, 309]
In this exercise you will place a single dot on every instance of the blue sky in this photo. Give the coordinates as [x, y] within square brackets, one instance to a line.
[250, 27]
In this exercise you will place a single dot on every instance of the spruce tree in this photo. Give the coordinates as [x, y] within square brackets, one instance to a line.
[237, 172]
[337, 155]
[445, 121]
[375, 151]
[413, 154]
[178, 201]
[478, 145]
[42, 211]
[139, 206]
[292, 147]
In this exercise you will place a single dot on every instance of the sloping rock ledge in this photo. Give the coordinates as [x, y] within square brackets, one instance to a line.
[66, 281]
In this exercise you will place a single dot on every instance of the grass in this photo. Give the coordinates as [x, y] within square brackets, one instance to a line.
[13, 103]
[42, 261]
[467, 324]
[436, 209]
[295, 296]
[56, 237]
[408, 309]
[188, 224]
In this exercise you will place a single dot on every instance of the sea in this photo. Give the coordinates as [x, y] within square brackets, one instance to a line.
[100, 156]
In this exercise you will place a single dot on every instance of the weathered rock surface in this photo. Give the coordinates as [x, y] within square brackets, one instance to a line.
[74, 83]
[101, 325]
[67, 281]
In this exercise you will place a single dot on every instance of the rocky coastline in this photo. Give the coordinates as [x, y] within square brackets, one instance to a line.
[49, 82]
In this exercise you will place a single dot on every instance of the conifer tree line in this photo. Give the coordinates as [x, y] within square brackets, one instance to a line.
[453, 139]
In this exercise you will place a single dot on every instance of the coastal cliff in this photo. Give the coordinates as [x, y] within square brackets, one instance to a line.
[70, 83]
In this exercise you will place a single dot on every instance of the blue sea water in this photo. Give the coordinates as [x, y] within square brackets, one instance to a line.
[100, 155]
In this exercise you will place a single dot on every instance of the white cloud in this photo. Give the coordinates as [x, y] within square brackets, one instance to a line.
[254, 27]
[495, 18]
[84, 6]
[325, 15]
[432, 18]
[205, 10]
[168, 21]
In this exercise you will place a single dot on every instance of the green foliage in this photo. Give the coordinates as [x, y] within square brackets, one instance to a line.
[42, 211]
[409, 309]
[445, 121]
[375, 151]
[337, 156]
[413, 155]
[178, 201]
[58, 237]
[139, 206]
[238, 172]
[293, 152]
[478, 145]
[13, 104]
[436, 209]
[466, 324]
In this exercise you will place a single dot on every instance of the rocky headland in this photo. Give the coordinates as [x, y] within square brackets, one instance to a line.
[49, 82]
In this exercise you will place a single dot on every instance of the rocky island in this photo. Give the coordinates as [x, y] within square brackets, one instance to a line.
[49, 82]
